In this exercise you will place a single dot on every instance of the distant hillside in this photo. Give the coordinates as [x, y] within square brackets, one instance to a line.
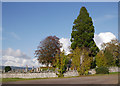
[14, 67]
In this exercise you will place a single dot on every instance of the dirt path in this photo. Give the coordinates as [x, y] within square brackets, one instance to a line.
[104, 79]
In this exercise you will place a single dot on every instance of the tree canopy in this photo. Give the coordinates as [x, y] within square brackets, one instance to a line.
[7, 68]
[61, 63]
[83, 32]
[109, 55]
[82, 64]
[47, 50]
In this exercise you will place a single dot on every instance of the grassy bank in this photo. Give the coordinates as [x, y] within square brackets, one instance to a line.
[18, 79]
[21, 79]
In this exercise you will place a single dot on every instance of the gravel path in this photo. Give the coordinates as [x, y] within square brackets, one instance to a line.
[104, 79]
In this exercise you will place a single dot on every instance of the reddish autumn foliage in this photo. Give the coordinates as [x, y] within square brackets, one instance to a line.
[47, 50]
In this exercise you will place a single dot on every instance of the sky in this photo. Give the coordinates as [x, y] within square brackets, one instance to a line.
[24, 25]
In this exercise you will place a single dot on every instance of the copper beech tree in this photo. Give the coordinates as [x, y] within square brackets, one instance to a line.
[47, 50]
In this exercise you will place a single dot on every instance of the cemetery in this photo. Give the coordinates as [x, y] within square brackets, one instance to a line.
[39, 73]
[83, 59]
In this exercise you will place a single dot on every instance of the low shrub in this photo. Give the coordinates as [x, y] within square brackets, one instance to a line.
[86, 73]
[7, 68]
[102, 70]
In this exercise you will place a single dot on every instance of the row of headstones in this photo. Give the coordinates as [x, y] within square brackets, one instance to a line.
[26, 70]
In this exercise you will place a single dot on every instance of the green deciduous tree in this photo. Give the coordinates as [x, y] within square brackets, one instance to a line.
[111, 51]
[82, 64]
[105, 58]
[83, 32]
[109, 55]
[110, 61]
[60, 63]
[86, 61]
[100, 59]
[76, 59]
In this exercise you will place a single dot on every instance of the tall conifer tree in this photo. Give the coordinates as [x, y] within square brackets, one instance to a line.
[83, 32]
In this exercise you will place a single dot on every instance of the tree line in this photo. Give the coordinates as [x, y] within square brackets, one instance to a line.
[84, 55]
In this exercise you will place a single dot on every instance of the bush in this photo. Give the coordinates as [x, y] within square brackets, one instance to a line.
[102, 70]
[8, 68]
[86, 72]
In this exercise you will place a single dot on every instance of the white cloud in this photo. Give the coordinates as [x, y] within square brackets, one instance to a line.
[99, 39]
[20, 62]
[17, 58]
[16, 53]
[65, 45]
[107, 37]
[103, 38]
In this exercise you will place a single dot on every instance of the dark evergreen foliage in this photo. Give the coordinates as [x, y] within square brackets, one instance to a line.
[8, 68]
[83, 32]
[109, 58]
[102, 70]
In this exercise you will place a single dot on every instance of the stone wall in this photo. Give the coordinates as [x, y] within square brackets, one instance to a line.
[37, 75]
[28, 75]
[71, 73]
[49, 74]
[92, 71]
[75, 73]
[113, 69]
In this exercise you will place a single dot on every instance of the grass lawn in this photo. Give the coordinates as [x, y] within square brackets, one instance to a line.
[115, 73]
[21, 79]
[12, 79]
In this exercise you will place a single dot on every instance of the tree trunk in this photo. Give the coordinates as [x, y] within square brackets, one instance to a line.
[81, 59]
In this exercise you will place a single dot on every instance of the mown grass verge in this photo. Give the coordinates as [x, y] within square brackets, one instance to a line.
[21, 79]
